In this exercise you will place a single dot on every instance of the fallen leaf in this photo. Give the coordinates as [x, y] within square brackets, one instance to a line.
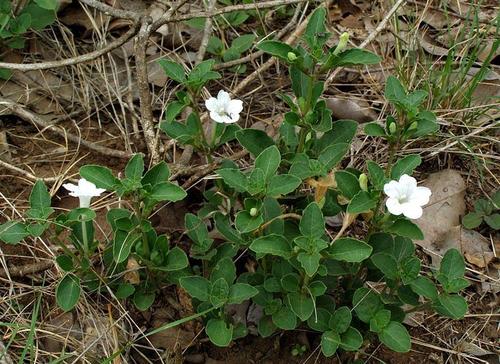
[132, 275]
[440, 222]
[358, 110]
[444, 209]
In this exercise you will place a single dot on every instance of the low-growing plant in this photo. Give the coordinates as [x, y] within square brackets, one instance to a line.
[485, 210]
[261, 234]
[137, 260]
[225, 53]
[15, 23]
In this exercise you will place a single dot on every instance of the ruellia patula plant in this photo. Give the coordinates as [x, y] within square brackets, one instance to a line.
[351, 288]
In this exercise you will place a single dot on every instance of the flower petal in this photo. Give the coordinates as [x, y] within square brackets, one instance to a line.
[211, 104]
[223, 97]
[234, 107]
[391, 189]
[393, 206]
[408, 181]
[70, 187]
[215, 116]
[421, 196]
[411, 210]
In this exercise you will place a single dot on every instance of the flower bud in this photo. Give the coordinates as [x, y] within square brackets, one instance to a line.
[392, 128]
[344, 38]
[363, 182]
[291, 56]
[254, 211]
[413, 126]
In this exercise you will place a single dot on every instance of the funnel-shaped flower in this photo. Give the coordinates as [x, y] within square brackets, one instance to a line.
[405, 197]
[85, 190]
[223, 109]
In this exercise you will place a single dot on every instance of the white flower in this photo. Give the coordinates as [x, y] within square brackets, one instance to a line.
[223, 109]
[405, 197]
[85, 190]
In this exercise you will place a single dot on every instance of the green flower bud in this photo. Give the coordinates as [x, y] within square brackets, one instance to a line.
[254, 211]
[363, 182]
[344, 38]
[392, 128]
[291, 56]
[413, 126]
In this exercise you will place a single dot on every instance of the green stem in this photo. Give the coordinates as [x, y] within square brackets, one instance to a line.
[302, 139]
[85, 240]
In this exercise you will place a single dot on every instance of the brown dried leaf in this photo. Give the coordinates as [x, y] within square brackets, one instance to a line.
[132, 276]
[358, 110]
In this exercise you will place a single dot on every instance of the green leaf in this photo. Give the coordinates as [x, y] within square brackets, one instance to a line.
[394, 90]
[456, 285]
[198, 232]
[452, 265]
[197, 287]
[176, 260]
[275, 48]
[242, 43]
[40, 18]
[356, 56]
[101, 176]
[47, 4]
[246, 223]
[272, 244]
[310, 262]
[68, 292]
[407, 229]
[361, 202]
[386, 264]
[122, 244]
[156, 175]
[380, 320]
[405, 165]
[282, 184]
[167, 191]
[135, 167]
[124, 290]
[219, 294]
[347, 183]
[39, 197]
[173, 70]
[319, 321]
[330, 341]
[315, 26]
[65, 262]
[219, 332]
[424, 287]
[340, 320]
[451, 305]
[173, 109]
[351, 339]
[234, 178]
[396, 337]
[377, 175]
[253, 140]
[366, 303]
[268, 161]
[20, 24]
[302, 305]
[333, 154]
[342, 131]
[374, 129]
[350, 250]
[240, 292]
[493, 221]
[225, 269]
[143, 300]
[285, 319]
[312, 223]
[12, 232]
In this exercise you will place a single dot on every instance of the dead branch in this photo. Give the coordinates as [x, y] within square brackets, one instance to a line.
[25, 114]
[21, 271]
[74, 60]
